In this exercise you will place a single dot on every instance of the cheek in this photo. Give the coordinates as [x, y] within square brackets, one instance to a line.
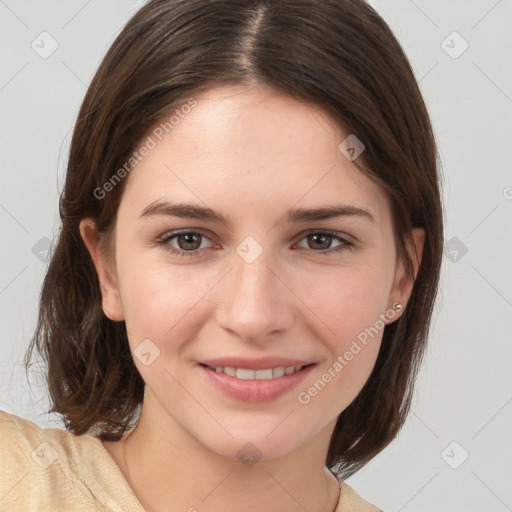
[162, 301]
[347, 299]
[351, 304]
[157, 300]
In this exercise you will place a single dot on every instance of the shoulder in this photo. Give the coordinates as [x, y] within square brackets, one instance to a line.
[54, 470]
[39, 467]
[23, 440]
[350, 501]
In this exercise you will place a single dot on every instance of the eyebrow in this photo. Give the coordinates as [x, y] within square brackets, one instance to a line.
[191, 211]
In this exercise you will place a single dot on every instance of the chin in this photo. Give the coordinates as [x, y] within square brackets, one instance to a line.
[250, 445]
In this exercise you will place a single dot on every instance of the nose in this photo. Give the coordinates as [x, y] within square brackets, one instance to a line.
[255, 302]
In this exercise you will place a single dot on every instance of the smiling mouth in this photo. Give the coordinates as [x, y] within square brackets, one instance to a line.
[255, 385]
[263, 374]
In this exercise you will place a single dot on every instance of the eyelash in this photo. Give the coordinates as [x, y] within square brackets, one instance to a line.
[346, 244]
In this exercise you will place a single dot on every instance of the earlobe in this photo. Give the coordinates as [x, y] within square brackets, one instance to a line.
[111, 303]
[404, 283]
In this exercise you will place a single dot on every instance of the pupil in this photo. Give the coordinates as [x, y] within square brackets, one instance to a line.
[188, 240]
[324, 237]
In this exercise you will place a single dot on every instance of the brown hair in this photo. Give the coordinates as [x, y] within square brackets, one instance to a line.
[337, 54]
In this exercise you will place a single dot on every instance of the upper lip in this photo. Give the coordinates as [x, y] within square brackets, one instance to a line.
[254, 364]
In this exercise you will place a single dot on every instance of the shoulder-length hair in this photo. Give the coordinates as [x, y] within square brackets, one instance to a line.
[336, 54]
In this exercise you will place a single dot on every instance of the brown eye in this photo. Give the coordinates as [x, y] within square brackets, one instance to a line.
[184, 243]
[320, 242]
[188, 241]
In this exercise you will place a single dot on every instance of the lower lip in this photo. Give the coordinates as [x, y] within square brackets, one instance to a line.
[255, 390]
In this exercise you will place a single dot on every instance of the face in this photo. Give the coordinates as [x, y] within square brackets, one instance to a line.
[259, 286]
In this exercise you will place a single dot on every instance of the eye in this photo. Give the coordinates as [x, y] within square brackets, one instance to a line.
[188, 242]
[323, 239]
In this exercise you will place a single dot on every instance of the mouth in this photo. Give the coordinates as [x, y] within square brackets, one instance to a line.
[261, 374]
[254, 385]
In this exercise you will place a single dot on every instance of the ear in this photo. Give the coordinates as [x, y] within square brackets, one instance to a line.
[111, 303]
[402, 287]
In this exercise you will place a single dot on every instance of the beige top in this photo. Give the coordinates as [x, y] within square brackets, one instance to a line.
[50, 469]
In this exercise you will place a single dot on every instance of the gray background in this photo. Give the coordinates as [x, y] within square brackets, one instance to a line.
[462, 405]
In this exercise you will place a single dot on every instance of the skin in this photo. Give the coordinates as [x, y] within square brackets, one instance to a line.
[250, 153]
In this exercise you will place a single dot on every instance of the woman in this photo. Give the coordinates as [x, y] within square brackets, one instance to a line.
[241, 292]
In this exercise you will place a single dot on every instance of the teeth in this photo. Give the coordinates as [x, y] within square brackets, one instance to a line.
[241, 373]
[248, 374]
[278, 372]
[230, 371]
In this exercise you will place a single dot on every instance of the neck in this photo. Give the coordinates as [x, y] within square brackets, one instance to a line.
[166, 465]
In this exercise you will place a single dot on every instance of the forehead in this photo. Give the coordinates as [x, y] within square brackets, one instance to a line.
[250, 147]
